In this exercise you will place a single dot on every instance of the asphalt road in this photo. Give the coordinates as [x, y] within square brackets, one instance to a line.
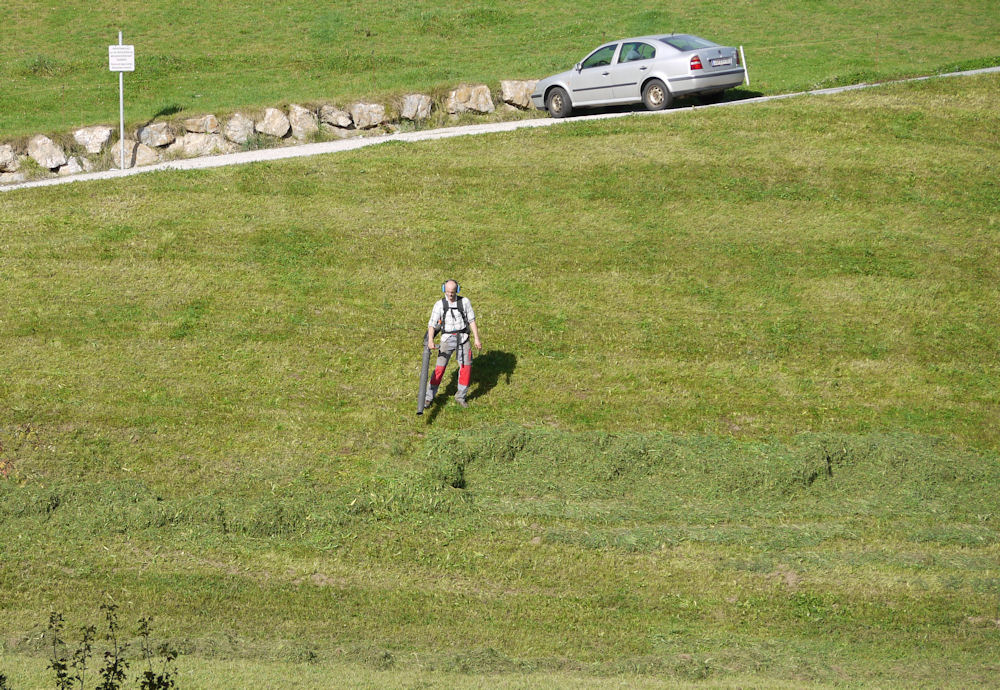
[443, 133]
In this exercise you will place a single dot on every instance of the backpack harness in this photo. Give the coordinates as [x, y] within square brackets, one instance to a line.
[446, 307]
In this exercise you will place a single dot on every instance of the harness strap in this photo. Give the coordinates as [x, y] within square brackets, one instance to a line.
[446, 307]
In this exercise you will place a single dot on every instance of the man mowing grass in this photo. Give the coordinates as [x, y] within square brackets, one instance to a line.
[452, 317]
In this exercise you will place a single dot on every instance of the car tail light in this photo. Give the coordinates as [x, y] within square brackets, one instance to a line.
[696, 62]
[739, 60]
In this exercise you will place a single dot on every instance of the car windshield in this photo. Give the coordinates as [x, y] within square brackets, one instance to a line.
[686, 42]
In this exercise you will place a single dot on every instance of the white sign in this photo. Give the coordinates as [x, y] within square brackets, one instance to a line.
[121, 58]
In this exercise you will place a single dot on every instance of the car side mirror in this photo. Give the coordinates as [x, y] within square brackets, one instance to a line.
[578, 66]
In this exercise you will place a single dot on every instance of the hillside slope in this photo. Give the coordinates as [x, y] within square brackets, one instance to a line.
[734, 419]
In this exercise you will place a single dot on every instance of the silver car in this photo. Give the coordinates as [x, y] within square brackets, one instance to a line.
[652, 70]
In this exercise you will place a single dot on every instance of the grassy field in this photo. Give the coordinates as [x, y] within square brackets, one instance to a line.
[735, 422]
[192, 57]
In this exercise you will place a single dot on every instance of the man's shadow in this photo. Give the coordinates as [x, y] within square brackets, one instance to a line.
[487, 370]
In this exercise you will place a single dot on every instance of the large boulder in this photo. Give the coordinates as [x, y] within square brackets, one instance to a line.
[156, 134]
[517, 93]
[340, 132]
[93, 139]
[12, 177]
[203, 124]
[274, 124]
[332, 115]
[416, 106]
[367, 115]
[476, 99]
[302, 121]
[45, 152]
[72, 167]
[239, 128]
[204, 144]
[175, 150]
[136, 153]
[8, 159]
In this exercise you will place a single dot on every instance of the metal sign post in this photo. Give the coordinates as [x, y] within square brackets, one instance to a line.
[121, 59]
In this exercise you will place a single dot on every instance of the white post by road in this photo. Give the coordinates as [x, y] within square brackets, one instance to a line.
[121, 110]
[121, 59]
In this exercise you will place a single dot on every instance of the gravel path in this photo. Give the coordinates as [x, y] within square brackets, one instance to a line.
[443, 133]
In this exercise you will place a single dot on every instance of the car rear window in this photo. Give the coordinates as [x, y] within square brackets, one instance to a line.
[685, 42]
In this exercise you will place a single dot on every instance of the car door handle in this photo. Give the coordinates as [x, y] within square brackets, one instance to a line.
[643, 69]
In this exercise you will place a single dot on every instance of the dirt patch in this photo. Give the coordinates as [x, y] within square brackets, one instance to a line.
[788, 577]
[984, 621]
[323, 580]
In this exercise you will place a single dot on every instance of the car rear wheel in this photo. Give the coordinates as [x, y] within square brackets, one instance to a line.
[557, 103]
[655, 95]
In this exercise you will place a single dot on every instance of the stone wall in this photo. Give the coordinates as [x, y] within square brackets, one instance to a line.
[97, 147]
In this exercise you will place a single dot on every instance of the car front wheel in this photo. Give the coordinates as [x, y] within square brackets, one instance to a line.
[557, 103]
[655, 95]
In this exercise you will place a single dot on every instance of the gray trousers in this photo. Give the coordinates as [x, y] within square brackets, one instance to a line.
[450, 345]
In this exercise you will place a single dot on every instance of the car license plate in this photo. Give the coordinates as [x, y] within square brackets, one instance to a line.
[719, 62]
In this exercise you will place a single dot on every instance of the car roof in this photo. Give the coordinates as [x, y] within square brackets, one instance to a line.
[651, 37]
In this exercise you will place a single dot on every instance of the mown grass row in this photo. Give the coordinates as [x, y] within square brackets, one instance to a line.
[523, 464]
[683, 557]
[191, 59]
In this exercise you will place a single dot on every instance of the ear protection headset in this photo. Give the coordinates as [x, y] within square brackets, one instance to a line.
[458, 288]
